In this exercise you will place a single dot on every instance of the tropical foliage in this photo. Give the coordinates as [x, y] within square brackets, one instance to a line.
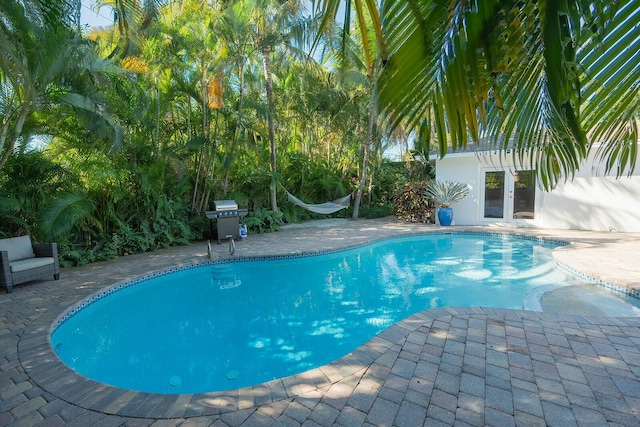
[410, 204]
[45, 66]
[550, 80]
[115, 140]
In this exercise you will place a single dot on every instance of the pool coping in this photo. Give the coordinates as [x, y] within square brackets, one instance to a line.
[52, 375]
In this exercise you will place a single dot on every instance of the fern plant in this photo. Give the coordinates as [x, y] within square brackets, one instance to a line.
[263, 221]
[446, 193]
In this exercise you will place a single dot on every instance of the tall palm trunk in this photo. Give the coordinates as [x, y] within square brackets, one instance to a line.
[237, 130]
[266, 62]
[365, 161]
[77, 8]
[239, 126]
[6, 147]
[203, 169]
[156, 133]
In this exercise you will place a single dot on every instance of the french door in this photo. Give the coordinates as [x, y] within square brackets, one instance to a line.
[508, 195]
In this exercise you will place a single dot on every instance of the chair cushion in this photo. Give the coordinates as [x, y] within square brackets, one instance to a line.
[18, 248]
[29, 263]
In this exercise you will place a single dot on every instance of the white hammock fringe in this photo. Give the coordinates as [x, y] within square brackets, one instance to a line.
[322, 208]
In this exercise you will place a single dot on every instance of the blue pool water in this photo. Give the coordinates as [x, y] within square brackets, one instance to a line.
[226, 326]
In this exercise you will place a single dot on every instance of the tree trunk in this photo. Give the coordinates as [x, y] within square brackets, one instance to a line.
[194, 199]
[76, 17]
[237, 130]
[266, 62]
[156, 135]
[6, 151]
[365, 161]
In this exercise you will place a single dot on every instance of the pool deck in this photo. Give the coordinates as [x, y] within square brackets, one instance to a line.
[447, 366]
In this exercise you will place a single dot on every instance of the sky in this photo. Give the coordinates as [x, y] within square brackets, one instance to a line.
[90, 18]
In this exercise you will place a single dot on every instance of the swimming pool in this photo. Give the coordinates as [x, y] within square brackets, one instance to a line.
[230, 325]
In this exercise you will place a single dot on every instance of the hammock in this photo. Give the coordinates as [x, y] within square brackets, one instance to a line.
[322, 208]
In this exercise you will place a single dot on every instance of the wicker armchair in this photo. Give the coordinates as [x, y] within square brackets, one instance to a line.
[21, 261]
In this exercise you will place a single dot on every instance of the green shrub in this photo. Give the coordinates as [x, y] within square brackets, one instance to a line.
[375, 211]
[263, 221]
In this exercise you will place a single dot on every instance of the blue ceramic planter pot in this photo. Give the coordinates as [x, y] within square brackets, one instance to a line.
[445, 216]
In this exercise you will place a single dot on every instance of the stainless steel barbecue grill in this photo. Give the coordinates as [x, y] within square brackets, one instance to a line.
[227, 216]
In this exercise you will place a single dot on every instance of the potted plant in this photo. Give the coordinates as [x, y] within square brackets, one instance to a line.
[446, 193]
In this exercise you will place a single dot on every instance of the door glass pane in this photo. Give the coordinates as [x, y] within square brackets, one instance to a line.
[494, 195]
[524, 194]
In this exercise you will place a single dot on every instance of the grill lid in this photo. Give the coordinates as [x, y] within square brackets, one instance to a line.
[225, 205]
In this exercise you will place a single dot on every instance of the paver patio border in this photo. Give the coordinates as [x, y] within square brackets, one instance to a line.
[44, 367]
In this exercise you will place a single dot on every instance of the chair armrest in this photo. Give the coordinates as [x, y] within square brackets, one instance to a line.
[49, 250]
[46, 250]
[4, 258]
[5, 271]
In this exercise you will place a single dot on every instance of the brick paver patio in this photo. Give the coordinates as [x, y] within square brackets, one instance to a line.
[447, 366]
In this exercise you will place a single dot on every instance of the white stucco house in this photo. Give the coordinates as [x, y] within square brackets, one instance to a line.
[502, 191]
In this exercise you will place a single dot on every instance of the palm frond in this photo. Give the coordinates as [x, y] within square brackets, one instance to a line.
[93, 106]
[554, 78]
[64, 213]
[611, 92]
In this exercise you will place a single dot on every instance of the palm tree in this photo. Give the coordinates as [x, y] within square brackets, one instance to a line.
[131, 19]
[201, 78]
[361, 56]
[44, 62]
[557, 76]
[234, 30]
[275, 23]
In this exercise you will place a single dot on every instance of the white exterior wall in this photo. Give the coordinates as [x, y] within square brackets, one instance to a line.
[591, 201]
[462, 169]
